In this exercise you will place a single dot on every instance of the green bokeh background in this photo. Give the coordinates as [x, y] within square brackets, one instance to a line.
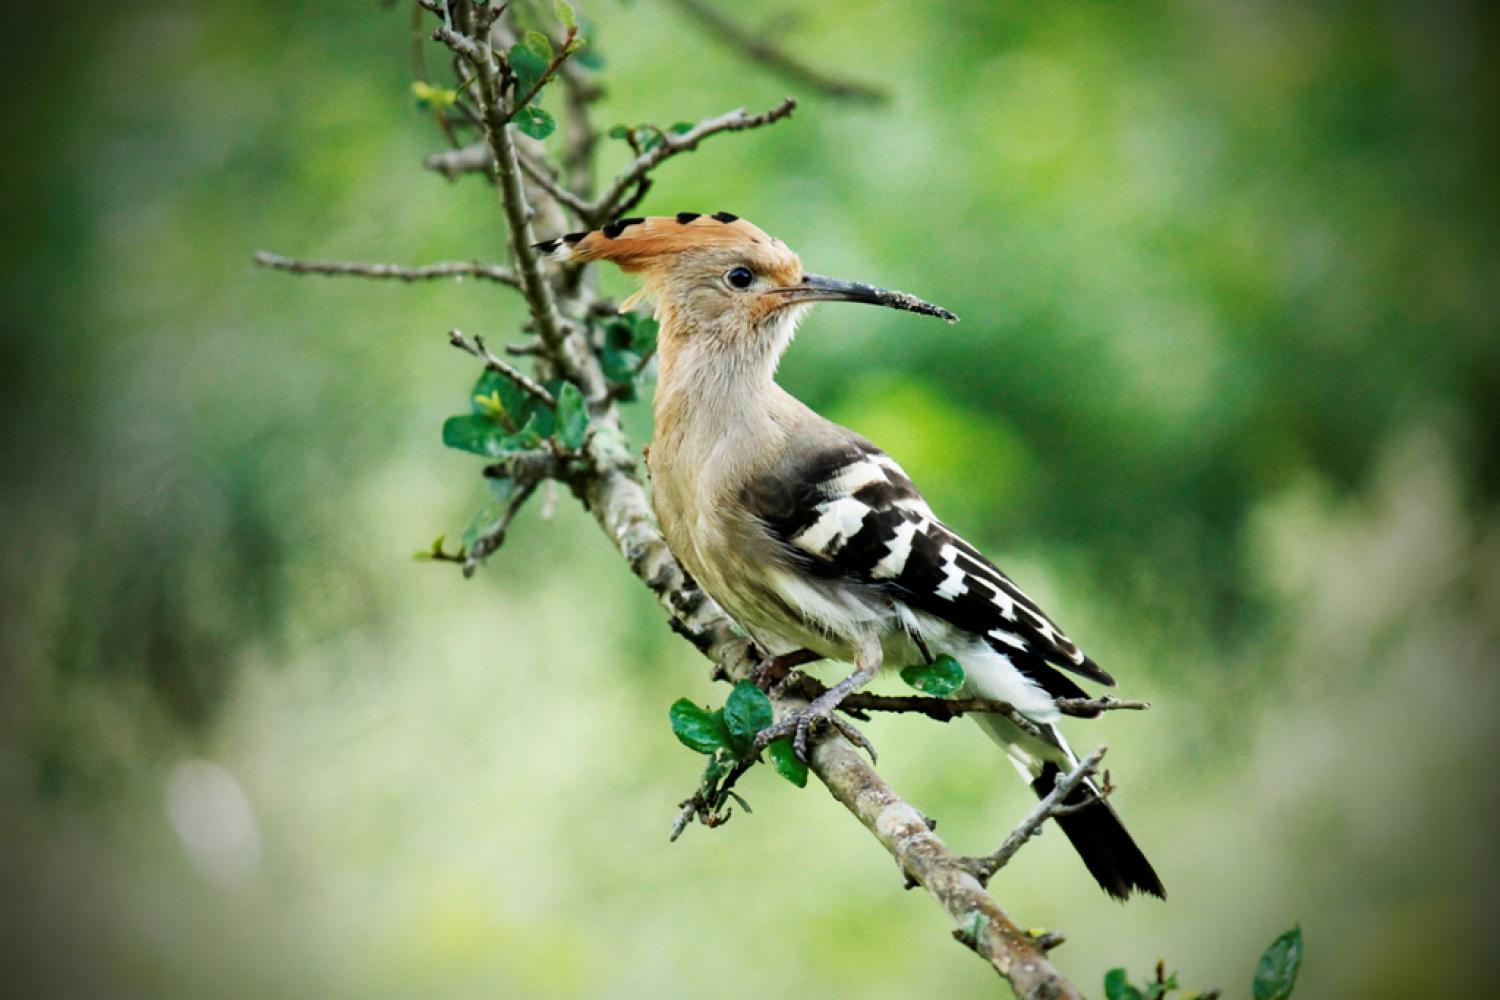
[1224, 397]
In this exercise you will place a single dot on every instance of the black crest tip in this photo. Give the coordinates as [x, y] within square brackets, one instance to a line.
[726, 217]
[620, 225]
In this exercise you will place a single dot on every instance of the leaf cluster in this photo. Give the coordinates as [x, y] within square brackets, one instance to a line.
[1275, 976]
[645, 137]
[726, 736]
[628, 341]
[504, 419]
[532, 62]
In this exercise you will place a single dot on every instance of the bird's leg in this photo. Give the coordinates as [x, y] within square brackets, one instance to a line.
[773, 672]
[822, 708]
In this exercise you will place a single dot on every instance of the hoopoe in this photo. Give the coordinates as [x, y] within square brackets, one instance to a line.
[809, 536]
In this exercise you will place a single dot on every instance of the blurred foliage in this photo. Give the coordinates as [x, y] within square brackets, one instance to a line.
[1224, 396]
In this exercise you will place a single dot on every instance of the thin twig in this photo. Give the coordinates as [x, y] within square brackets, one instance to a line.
[399, 272]
[947, 709]
[570, 356]
[758, 49]
[1086, 707]
[454, 163]
[1052, 805]
[705, 808]
[939, 709]
[529, 385]
[478, 55]
[562, 53]
[495, 537]
[609, 203]
[538, 173]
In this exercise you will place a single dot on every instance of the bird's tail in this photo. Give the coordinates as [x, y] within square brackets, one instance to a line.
[1101, 840]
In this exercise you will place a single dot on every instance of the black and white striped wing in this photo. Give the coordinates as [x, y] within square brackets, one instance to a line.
[851, 512]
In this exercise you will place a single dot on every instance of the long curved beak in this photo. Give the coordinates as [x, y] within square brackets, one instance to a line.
[816, 288]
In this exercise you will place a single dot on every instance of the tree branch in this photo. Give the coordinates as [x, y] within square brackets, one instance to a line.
[426, 272]
[610, 202]
[980, 924]
[758, 49]
[947, 709]
[1052, 805]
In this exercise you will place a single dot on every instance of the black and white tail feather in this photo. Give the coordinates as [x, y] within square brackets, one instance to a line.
[850, 517]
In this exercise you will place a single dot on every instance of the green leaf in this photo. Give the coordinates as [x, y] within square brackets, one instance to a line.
[717, 768]
[526, 65]
[1158, 989]
[940, 678]
[787, 763]
[500, 399]
[648, 138]
[1117, 986]
[697, 728]
[539, 45]
[681, 128]
[431, 552]
[502, 419]
[502, 489]
[589, 57]
[747, 711]
[643, 331]
[1277, 972]
[740, 799]
[618, 131]
[528, 438]
[572, 417]
[482, 523]
[564, 13]
[534, 122]
[629, 338]
[478, 435]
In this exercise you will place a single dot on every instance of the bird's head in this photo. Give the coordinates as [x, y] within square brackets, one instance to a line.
[719, 278]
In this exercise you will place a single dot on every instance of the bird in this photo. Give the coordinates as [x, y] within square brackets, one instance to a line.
[811, 538]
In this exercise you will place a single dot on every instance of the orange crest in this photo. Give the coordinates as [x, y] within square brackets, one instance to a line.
[637, 244]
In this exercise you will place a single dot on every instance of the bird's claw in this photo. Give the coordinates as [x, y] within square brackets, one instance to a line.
[800, 726]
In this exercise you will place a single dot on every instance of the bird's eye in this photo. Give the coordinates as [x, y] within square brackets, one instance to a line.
[739, 277]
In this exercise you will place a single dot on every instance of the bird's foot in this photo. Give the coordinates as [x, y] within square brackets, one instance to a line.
[820, 713]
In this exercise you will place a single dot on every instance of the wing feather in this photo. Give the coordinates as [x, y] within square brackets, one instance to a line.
[850, 511]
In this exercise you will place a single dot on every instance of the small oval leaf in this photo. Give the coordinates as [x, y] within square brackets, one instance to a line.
[696, 728]
[1277, 972]
[784, 758]
[940, 678]
[572, 417]
[534, 122]
[1117, 986]
[747, 711]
